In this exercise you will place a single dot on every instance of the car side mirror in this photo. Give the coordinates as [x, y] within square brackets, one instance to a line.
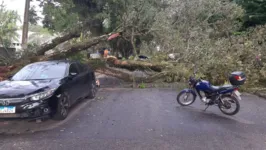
[9, 77]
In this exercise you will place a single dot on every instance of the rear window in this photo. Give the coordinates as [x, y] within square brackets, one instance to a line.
[83, 67]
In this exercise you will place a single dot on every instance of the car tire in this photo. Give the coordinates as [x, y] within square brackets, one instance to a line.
[62, 108]
[92, 90]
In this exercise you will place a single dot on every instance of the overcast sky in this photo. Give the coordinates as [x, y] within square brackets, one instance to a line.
[19, 6]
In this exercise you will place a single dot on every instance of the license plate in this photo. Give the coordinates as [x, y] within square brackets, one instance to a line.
[7, 109]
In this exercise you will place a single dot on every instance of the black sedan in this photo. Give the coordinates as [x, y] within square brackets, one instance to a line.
[46, 89]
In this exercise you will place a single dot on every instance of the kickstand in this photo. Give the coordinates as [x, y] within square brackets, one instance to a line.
[206, 108]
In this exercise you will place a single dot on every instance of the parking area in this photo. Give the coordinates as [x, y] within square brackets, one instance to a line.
[125, 118]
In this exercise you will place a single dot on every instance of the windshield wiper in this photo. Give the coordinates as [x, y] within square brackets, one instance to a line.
[36, 79]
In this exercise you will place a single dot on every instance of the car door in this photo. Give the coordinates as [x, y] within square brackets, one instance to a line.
[74, 82]
[84, 79]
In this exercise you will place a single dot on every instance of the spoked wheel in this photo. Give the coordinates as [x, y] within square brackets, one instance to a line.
[185, 98]
[92, 90]
[229, 105]
[62, 107]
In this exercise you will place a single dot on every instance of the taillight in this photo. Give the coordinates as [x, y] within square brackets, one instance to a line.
[236, 89]
[238, 78]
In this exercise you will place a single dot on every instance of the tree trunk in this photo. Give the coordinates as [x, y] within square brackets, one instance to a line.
[114, 73]
[133, 42]
[129, 77]
[135, 65]
[79, 47]
[46, 47]
[59, 55]
[117, 46]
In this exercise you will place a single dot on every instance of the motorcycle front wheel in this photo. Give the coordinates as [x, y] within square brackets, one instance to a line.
[229, 105]
[185, 98]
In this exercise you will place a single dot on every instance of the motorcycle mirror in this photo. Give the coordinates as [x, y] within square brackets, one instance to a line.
[195, 70]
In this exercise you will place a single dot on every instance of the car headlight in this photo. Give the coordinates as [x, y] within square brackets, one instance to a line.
[42, 95]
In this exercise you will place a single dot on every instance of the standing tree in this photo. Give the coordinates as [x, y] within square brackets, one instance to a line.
[255, 12]
[63, 16]
[134, 19]
[8, 28]
[33, 16]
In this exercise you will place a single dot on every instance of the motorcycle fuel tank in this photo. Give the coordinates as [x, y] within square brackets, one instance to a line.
[203, 85]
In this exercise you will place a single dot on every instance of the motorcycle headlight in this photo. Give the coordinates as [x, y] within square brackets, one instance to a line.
[42, 95]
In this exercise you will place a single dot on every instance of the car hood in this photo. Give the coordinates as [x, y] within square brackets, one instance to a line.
[18, 89]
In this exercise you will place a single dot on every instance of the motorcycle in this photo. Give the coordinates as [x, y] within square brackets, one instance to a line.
[225, 97]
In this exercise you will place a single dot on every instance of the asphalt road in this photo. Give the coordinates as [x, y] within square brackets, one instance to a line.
[143, 119]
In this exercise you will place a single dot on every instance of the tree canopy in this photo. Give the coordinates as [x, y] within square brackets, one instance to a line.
[203, 32]
[8, 25]
[132, 18]
[33, 16]
[255, 12]
[8, 28]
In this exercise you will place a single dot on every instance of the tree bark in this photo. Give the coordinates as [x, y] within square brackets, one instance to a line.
[135, 65]
[129, 77]
[133, 42]
[59, 55]
[80, 46]
[46, 47]
[114, 73]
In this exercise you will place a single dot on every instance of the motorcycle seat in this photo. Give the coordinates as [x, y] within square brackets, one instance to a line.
[220, 88]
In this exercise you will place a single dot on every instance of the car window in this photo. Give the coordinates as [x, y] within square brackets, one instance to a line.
[41, 71]
[82, 67]
[73, 68]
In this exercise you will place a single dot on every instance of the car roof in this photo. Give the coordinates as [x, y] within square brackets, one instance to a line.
[61, 62]
[53, 62]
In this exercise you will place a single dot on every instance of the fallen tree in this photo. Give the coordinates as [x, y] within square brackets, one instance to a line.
[48, 46]
[74, 33]
[61, 54]
[135, 65]
[115, 73]
[165, 76]
[156, 70]
[58, 55]
[79, 47]
[149, 72]
[5, 70]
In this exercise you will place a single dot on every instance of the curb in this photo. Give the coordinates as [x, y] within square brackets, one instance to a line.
[261, 95]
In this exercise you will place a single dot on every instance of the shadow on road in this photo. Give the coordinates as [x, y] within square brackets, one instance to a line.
[209, 116]
[25, 126]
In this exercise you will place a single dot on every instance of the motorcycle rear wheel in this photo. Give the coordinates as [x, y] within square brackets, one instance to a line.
[228, 101]
[187, 95]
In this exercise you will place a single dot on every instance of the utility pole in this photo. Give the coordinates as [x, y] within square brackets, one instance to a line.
[25, 25]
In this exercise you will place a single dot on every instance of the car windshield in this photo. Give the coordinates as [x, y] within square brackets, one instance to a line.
[41, 71]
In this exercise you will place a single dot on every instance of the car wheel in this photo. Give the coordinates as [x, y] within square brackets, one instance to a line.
[63, 106]
[93, 90]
